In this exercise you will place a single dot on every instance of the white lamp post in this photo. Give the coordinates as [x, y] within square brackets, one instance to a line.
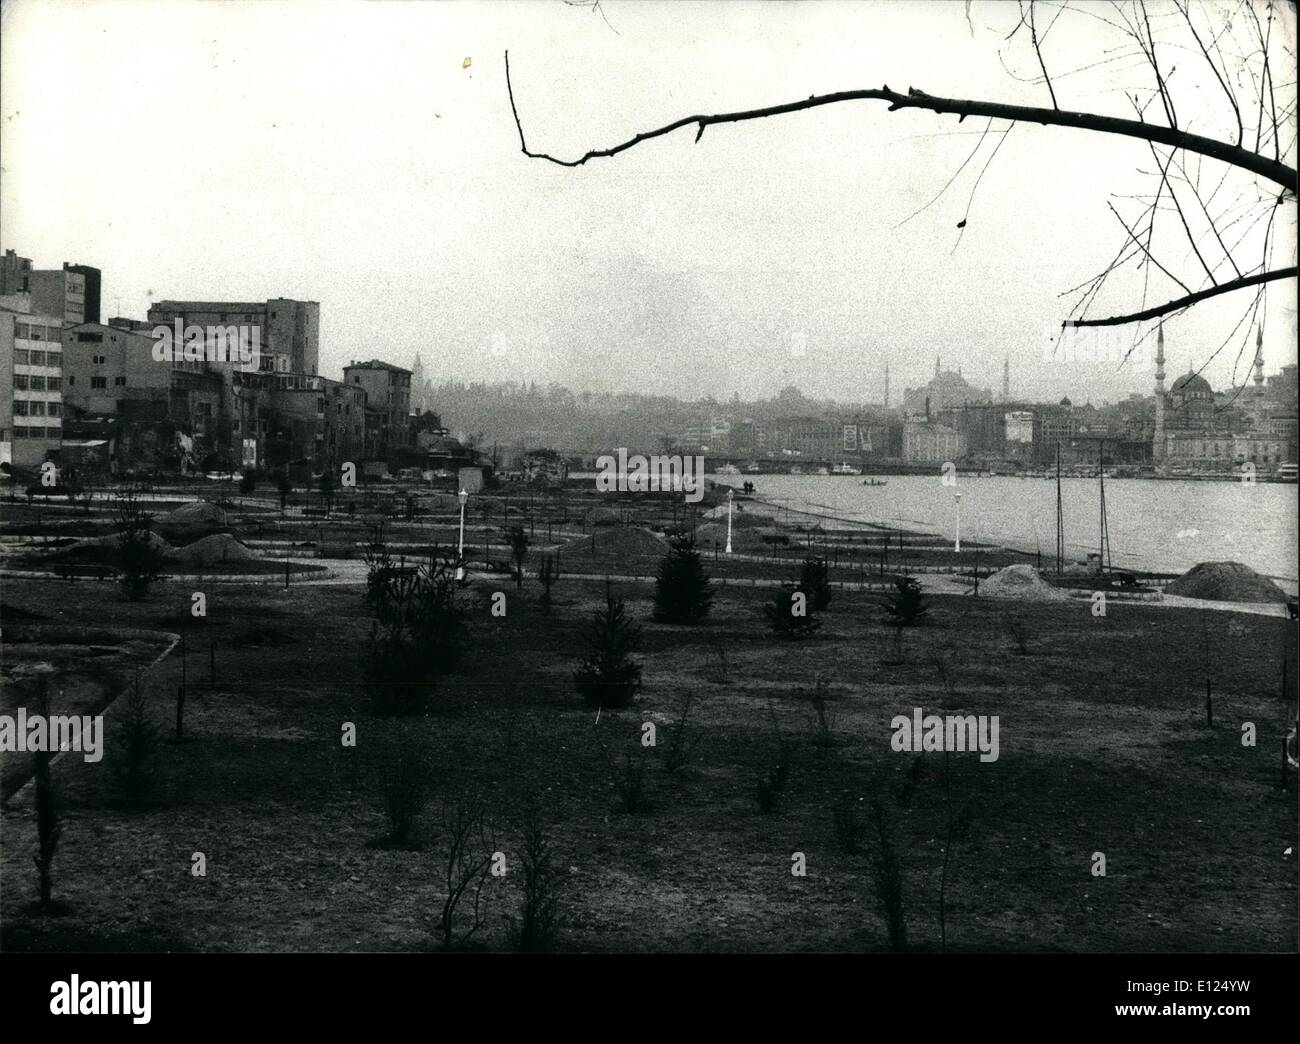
[730, 494]
[460, 557]
[957, 549]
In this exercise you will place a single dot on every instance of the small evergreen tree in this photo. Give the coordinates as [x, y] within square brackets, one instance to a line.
[607, 676]
[907, 606]
[418, 633]
[682, 594]
[138, 560]
[814, 581]
[137, 742]
[789, 615]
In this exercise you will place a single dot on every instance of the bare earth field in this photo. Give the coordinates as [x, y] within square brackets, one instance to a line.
[1103, 748]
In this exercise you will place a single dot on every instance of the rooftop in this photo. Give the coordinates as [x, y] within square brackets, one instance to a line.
[375, 364]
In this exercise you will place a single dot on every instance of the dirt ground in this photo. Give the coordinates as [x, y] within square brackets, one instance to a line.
[1103, 748]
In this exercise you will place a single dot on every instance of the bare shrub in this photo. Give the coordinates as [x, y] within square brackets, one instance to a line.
[887, 880]
[826, 718]
[684, 737]
[538, 925]
[405, 793]
[465, 872]
[629, 776]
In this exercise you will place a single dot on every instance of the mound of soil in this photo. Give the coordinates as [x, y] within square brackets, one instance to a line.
[1226, 582]
[197, 513]
[624, 542]
[1020, 583]
[746, 539]
[109, 543]
[220, 547]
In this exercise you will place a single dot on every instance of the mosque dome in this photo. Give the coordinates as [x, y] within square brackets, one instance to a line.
[1191, 384]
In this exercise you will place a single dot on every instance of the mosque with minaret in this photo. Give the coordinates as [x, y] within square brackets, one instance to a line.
[1197, 430]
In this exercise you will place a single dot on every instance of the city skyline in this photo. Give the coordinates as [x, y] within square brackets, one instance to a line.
[700, 269]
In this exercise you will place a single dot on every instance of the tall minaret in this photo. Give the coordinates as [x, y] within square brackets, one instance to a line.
[886, 384]
[1158, 444]
[1259, 361]
[1006, 380]
[1257, 409]
[936, 366]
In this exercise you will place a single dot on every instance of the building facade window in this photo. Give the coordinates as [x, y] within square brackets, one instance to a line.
[98, 383]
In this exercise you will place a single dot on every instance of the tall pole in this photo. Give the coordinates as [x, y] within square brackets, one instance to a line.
[460, 554]
[957, 549]
[730, 493]
[1101, 519]
[1060, 518]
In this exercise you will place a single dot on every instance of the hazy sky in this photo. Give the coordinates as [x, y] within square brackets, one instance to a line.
[343, 152]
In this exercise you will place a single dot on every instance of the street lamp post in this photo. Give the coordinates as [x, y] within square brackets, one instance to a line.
[957, 549]
[730, 494]
[460, 557]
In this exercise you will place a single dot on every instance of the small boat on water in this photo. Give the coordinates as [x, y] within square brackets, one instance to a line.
[822, 471]
[845, 468]
[753, 469]
[874, 482]
[727, 469]
[796, 470]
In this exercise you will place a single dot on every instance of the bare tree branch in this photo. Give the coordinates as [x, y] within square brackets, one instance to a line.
[1189, 300]
[1271, 169]
[1033, 36]
[1147, 249]
[1232, 98]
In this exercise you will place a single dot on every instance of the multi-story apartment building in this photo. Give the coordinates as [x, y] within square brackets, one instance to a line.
[93, 284]
[103, 365]
[288, 331]
[14, 271]
[58, 292]
[388, 405]
[71, 293]
[31, 385]
[316, 420]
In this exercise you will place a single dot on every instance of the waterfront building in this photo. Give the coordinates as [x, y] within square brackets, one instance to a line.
[929, 442]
